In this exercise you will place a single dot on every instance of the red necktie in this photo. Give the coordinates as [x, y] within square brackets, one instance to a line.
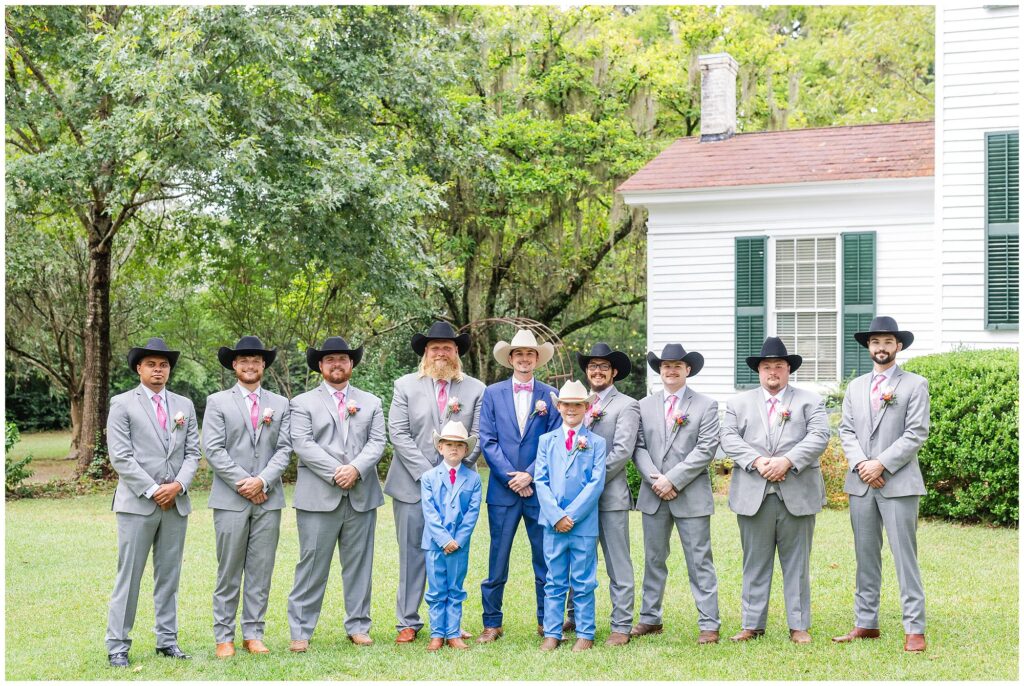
[568, 440]
[442, 399]
[161, 414]
[451, 475]
[254, 409]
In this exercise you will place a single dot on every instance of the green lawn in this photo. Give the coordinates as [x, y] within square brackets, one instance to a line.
[61, 561]
[48, 450]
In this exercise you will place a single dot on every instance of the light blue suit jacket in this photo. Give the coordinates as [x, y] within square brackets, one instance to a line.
[450, 510]
[569, 483]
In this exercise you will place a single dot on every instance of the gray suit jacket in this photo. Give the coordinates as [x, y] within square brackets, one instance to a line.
[411, 422]
[683, 457]
[235, 452]
[747, 436]
[618, 428]
[893, 437]
[141, 457]
[317, 440]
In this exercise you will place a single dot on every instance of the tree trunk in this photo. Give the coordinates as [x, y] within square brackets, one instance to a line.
[76, 424]
[95, 401]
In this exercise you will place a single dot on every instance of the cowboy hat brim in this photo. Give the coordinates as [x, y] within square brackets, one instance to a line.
[618, 360]
[419, 342]
[794, 361]
[313, 356]
[694, 359]
[586, 401]
[469, 441]
[904, 337]
[545, 351]
[227, 355]
[136, 355]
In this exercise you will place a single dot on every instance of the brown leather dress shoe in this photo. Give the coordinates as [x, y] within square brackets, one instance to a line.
[406, 635]
[799, 636]
[255, 646]
[642, 629]
[857, 633]
[707, 636]
[582, 644]
[490, 634]
[298, 646]
[914, 643]
[549, 643]
[457, 643]
[436, 643]
[568, 626]
[617, 638]
[361, 640]
[225, 649]
[747, 635]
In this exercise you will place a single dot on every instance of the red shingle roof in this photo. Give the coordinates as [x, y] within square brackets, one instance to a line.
[875, 151]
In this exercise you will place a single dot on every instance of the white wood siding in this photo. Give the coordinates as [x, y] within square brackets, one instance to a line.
[977, 91]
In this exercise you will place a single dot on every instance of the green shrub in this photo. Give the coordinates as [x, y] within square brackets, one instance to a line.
[15, 472]
[970, 460]
[633, 479]
[833, 470]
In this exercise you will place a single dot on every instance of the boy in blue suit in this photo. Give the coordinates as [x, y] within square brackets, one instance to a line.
[569, 479]
[450, 497]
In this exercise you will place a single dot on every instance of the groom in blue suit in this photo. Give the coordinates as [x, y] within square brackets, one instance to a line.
[514, 414]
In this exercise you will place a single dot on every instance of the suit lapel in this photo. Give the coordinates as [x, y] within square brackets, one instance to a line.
[240, 403]
[172, 428]
[775, 434]
[682, 406]
[428, 390]
[460, 481]
[331, 405]
[507, 400]
[538, 394]
[894, 381]
[150, 411]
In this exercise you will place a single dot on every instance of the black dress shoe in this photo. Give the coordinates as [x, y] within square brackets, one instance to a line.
[118, 659]
[173, 651]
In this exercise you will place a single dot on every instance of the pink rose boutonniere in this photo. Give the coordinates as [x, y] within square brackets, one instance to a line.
[351, 408]
[268, 416]
[454, 407]
[540, 408]
[581, 445]
[785, 414]
[594, 415]
[679, 419]
[179, 421]
[888, 396]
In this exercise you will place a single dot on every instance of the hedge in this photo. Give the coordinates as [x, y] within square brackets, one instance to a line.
[970, 460]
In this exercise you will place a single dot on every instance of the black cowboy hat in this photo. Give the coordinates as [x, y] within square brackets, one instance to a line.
[619, 360]
[334, 344]
[439, 331]
[884, 325]
[774, 348]
[247, 345]
[155, 347]
[673, 352]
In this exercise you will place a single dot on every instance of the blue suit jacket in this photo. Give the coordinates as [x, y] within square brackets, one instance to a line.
[449, 511]
[570, 482]
[503, 448]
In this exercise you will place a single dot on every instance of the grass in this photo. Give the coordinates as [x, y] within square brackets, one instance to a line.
[48, 450]
[61, 559]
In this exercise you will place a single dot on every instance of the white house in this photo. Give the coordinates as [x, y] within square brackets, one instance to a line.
[808, 234]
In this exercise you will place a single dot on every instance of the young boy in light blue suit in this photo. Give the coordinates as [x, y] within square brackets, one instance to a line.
[450, 495]
[569, 480]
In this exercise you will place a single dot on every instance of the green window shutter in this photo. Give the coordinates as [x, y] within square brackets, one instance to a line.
[858, 298]
[751, 294]
[1002, 232]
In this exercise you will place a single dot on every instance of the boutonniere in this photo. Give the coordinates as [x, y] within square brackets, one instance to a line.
[594, 415]
[268, 415]
[540, 408]
[888, 396]
[581, 445]
[679, 419]
[179, 420]
[351, 408]
[454, 407]
[784, 414]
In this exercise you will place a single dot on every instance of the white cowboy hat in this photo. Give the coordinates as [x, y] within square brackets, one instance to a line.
[455, 432]
[524, 338]
[573, 392]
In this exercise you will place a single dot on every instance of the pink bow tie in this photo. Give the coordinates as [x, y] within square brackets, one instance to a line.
[516, 387]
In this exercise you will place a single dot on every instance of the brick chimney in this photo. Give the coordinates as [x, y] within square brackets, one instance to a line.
[717, 96]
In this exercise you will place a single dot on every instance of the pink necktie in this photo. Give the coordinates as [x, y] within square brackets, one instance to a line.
[588, 416]
[442, 398]
[161, 414]
[254, 409]
[771, 410]
[340, 395]
[451, 475]
[568, 440]
[516, 387]
[876, 396]
[670, 411]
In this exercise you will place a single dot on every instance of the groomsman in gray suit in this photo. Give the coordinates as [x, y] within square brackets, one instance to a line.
[615, 417]
[884, 424]
[246, 441]
[424, 401]
[775, 435]
[677, 441]
[153, 442]
[338, 434]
